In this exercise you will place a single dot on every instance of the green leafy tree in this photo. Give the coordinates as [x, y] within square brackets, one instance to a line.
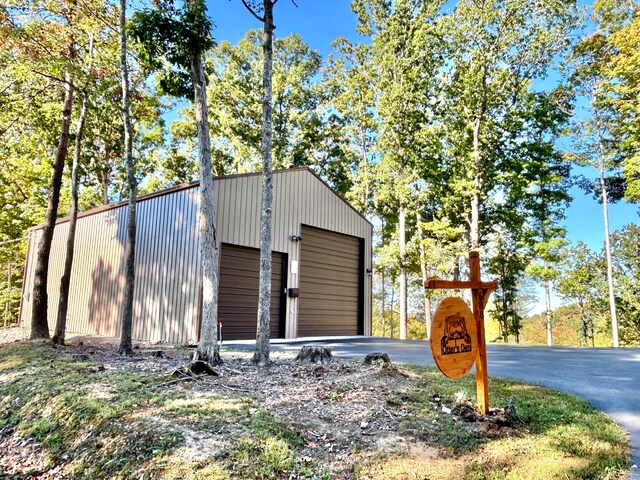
[578, 281]
[350, 79]
[619, 30]
[625, 250]
[405, 53]
[497, 50]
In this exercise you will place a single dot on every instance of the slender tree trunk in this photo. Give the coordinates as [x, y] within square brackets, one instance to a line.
[39, 321]
[208, 347]
[365, 163]
[126, 347]
[403, 272]
[391, 320]
[384, 307]
[476, 197]
[65, 281]
[261, 354]
[607, 248]
[423, 271]
[547, 296]
[104, 187]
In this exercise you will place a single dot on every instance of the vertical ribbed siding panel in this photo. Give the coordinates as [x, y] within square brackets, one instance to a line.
[193, 266]
[142, 303]
[80, 287]
[186, 263]
[168, 314]
[27, 285]
[56, 268]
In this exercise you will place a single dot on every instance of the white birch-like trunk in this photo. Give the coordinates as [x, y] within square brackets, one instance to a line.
[384, 307]
[263, 334]
[423, 271]
[607, 249]
[403, 272]
[547, 296]
[126, 347]
[476, 197]
[208, 347]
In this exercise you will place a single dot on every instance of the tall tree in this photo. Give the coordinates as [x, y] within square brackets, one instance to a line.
[174, 42]
[619, 26]
[498, 48]
[39, 322]
[264, 13]
[65, 281]
[52, 58]
[125, 347]
[350, 79]
[595, 144]
[406, 53]
[625, 248]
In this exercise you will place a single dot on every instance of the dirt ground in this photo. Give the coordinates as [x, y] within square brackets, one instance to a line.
[338, 407]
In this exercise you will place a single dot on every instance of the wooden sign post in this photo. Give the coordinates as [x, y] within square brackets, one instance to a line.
[480, 292]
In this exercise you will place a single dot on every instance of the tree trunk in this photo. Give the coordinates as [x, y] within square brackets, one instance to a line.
[208, 347]
[65, 281]
[126, 347]
[476, 196]
[547, 296]
[403, 272]
[393, 292]
[423, 271]
[261, 355]
[104, 187]
[39, 322]
[384, 308]
[607, 249]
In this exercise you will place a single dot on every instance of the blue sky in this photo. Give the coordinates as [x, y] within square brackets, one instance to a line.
[320, 22]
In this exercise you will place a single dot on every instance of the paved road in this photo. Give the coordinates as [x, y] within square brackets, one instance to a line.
[608, 379]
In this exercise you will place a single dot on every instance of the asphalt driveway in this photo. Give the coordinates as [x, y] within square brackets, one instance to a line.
[607, 378]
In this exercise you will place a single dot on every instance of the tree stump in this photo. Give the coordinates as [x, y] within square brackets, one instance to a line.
[377, 358]
[195, 368]
[314, 354]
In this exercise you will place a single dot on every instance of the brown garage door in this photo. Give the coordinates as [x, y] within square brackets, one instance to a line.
[238, 296]
[330, 291]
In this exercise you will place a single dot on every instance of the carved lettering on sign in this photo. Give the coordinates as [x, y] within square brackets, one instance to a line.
[456, 338]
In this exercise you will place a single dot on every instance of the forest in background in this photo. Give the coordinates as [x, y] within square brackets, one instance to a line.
[450, 129]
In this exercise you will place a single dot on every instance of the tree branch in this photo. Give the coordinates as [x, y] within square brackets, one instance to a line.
[248, 7]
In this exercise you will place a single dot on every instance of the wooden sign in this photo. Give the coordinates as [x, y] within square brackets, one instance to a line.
[454, 338]
[480, 292]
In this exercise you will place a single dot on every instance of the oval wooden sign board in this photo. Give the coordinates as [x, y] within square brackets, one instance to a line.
[454, 338]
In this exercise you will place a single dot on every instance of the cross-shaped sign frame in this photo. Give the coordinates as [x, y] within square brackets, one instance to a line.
[480, 292]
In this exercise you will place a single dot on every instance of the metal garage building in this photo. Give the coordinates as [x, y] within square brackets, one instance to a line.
[330, 265]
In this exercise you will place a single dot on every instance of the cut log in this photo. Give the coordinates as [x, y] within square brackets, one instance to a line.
[314, 354]
[377, 358]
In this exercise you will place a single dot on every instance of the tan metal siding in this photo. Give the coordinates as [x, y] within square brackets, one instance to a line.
[167, 297]
[167, 270]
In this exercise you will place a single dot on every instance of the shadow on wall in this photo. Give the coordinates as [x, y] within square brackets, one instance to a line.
[167, 284]
[103, 305]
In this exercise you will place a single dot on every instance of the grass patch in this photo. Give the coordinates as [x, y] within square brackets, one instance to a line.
[92, 423]
[560, 436]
